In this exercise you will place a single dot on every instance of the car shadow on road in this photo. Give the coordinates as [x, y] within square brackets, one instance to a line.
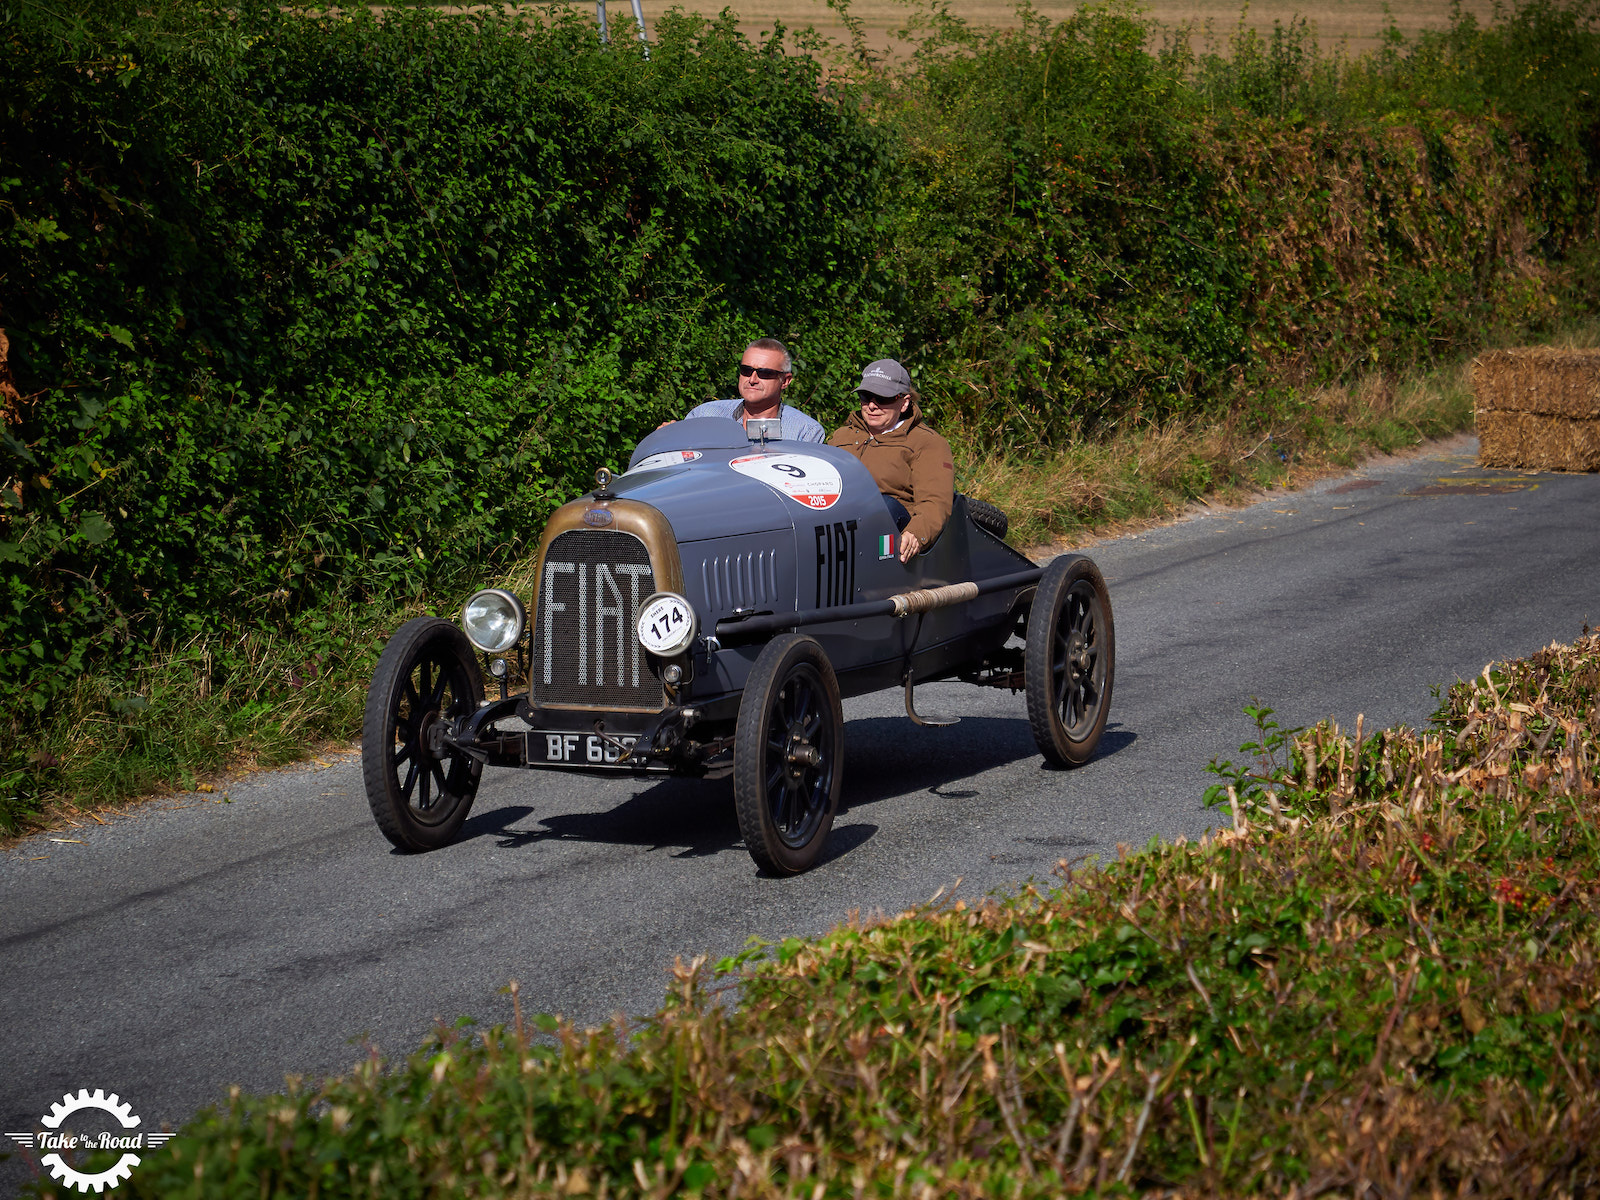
[690, 818]
[889, 756]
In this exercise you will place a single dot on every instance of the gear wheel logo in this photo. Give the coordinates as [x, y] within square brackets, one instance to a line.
[83, 1180]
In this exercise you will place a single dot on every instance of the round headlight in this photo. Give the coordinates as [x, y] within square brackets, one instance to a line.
[667, 624]
[493, 620]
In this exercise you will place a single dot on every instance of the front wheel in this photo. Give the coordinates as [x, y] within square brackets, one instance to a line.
[1070, 661]
[788, 755]
[418, 786]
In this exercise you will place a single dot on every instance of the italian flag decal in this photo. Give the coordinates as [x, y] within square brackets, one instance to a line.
[886, 547]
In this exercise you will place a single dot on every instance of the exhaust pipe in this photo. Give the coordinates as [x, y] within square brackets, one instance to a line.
[902, 605]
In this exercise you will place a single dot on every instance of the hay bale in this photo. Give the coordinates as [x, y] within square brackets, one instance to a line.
[1534, 441]
[1558, 383]
[1538, 409]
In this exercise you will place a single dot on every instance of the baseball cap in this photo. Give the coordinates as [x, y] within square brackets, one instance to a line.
[884, 378]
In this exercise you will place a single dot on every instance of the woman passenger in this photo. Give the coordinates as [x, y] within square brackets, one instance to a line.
[910, 463]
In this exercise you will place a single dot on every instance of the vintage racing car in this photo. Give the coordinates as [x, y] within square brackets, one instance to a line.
[703, 614]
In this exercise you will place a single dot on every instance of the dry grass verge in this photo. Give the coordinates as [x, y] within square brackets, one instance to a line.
[1155, 472]
[188, 717]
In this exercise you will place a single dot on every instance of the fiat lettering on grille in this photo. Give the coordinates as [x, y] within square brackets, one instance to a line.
[602, 600]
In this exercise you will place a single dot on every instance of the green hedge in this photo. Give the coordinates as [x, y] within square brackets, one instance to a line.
[310, 303]
[1102, 234]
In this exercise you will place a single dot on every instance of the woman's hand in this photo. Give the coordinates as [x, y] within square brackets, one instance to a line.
[909, 545]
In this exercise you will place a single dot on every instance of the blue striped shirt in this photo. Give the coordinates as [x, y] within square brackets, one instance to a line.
[796, 426]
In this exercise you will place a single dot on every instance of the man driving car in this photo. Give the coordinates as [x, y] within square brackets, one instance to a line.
[765, 370]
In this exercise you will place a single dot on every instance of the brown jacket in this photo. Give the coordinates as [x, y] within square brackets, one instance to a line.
[911, 463]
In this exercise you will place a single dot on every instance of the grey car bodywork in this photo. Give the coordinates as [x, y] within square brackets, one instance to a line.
[730, 527]
[785, 552]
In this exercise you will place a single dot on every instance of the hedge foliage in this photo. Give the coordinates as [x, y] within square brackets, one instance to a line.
[301, 302]
[1382, 980]
[1104, 234]
[307, 309]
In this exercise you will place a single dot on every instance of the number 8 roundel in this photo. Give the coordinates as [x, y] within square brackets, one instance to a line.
[812, 483]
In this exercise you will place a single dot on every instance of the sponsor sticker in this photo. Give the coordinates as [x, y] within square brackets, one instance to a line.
[886, 546]
[810, 482]
[667, 458]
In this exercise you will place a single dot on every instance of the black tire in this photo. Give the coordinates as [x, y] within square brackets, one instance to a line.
[420, 791]
[1070, 661]
[788, 755]
[988, 518]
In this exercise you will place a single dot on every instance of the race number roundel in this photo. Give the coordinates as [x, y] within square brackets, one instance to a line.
[809, 482]
[667, 458]
[667, 624]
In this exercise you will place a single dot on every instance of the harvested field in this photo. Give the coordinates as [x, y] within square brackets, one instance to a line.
[1539, 408]
[1356, 24]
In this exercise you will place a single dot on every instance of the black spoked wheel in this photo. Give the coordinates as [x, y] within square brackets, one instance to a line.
[1070, 661]
[420, 789]
[787, 764]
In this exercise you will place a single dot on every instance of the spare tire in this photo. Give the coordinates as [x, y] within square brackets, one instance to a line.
[988, 518]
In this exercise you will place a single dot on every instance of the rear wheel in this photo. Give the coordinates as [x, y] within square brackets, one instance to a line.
[787, 755]
[419, 788]
[1070, 661]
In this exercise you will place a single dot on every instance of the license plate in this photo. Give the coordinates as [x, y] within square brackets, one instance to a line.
[578, 749]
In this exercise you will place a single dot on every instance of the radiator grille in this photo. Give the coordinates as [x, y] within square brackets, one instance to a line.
[585, 651]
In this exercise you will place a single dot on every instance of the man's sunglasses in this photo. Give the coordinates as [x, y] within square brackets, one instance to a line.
[746, 370]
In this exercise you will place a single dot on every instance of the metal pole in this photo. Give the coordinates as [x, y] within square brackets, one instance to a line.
[638, 16]
[600, 16]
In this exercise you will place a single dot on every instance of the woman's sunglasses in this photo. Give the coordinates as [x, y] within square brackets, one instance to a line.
[746, 370]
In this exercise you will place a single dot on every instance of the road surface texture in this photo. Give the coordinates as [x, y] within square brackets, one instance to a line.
[196, 944]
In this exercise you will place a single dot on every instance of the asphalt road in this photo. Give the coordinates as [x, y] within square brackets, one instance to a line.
[197, 944]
